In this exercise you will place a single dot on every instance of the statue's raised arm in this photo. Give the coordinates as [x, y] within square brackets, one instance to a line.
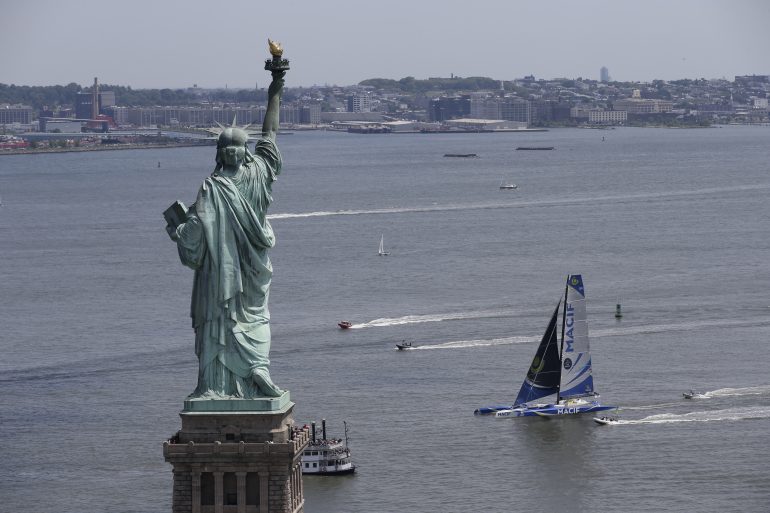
[277, 67]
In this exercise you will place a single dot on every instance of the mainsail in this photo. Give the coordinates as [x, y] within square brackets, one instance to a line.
[565, 372]
[576, 378]
[543, 375]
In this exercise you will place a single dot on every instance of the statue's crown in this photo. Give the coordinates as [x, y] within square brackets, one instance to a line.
[232, 136]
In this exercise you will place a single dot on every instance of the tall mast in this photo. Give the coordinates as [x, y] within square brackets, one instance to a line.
[563, 324]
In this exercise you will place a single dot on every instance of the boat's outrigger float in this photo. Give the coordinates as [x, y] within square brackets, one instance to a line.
[564, 371]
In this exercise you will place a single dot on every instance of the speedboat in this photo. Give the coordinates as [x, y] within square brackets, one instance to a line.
[344, 324]
[605, 421]
[692, 394]
[404, 345]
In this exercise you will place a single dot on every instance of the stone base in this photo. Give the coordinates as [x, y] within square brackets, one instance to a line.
[232, 460]
[236, 425]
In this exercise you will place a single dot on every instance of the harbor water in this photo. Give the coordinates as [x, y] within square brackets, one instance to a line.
[98, 350]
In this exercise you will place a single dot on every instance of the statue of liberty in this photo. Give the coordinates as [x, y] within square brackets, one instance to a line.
[225, 237]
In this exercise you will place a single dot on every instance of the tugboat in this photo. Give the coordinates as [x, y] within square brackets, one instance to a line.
[327, 457]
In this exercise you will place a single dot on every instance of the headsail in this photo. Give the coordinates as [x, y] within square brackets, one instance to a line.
[543, 375]
[576, 378]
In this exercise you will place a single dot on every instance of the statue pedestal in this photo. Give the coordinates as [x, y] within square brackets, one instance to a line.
[261, 404]
[237, 456]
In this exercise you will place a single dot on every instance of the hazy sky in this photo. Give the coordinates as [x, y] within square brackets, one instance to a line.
[174, 43]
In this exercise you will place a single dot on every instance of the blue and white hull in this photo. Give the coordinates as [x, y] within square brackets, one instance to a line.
[554, 410]
[545, 410]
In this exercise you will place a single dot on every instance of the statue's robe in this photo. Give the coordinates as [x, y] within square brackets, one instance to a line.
[226, 240]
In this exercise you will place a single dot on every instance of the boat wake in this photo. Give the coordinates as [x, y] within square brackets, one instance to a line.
[523, 204]
[595, 333]
[416, 319]
[733, 392]
[730, 414]
[650, 406]
[462, 344]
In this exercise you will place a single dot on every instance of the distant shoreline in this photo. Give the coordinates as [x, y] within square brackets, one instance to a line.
[111, 147]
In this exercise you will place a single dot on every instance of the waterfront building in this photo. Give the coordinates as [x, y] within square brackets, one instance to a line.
[289, 114]
[310, 114]
[118, 114]
[643, 106]
[484, 124]
[449, 107]
[342, 117]
[84, 103]
[607, 117]
[359, 102]
[61, 126]
[483, 107]
[541, 111]
[10, 114]
[193, 116]
[580, 112]
[561, 111]
[516, 109]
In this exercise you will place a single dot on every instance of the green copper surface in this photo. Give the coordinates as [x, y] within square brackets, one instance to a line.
[225, 237]
[265, 404]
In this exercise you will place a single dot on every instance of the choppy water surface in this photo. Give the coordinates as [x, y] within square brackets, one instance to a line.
[98, 351]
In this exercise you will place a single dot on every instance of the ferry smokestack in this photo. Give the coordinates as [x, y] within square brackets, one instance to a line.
[323, 428]
[312, 427]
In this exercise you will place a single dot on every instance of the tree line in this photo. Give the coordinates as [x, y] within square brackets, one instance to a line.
[53, 97]
[57, 96]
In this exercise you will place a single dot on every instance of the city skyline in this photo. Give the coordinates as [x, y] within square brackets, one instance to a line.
[177, 45]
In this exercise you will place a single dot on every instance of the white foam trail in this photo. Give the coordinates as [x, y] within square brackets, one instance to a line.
[521, 204]
[650, 406]
[732, 392]
[599, 333]
[478, 343]
[596, 333]
[730, 414]
[415, 319]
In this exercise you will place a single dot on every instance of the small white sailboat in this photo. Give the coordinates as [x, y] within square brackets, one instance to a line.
[382, 251]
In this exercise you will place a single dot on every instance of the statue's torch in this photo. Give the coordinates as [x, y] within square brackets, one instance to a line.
[277, 64]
